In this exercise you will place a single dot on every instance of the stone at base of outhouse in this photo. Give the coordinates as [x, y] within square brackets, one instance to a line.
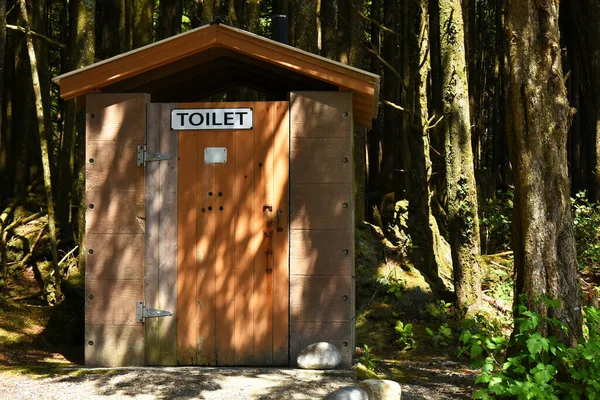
[320, 355]
[382, 389]
[349, 393]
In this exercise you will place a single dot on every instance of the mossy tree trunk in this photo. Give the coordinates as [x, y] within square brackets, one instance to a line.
[538, 118]
[142, 20]
[44, 151]
[82, 46]
[463, 222]
[170, 18]
[417, 123]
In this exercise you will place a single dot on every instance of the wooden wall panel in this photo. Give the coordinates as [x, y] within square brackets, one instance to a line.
[115, 211]
[161, 237]
[321, 222]
[321, 206]
[334, 156]
[321, 298]
[114, 345]
[320, 114]
[321, 252]
[113, 301]
[115, 226]
[121, 250]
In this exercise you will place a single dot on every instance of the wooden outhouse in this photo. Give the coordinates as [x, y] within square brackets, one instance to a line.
[219, 233]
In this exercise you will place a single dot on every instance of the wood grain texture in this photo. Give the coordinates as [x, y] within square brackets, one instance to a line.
[321, 206]
[153, 234]
[112, 302]
[114, 345]
[322, 221]
[321, 160]
[161, 238]
[186, 249]
[263, 222]
[245, 248]
[115, 225]
[281, 237]
[167, 288]
[321, 252]
[336, 333]
[320, 298]
[224, 252]
[111, 165]
[115, 256]
[320, 114]
[115, 211]
[206, 252]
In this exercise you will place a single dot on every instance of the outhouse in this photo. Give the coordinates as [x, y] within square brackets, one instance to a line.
[219, 233]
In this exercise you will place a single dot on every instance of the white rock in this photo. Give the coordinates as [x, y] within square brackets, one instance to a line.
[348, 393]
[382, 389]
[321, 355]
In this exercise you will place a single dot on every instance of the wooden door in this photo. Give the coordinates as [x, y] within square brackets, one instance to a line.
[232, 242]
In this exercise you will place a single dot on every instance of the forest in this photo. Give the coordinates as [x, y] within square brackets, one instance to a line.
[485, 151]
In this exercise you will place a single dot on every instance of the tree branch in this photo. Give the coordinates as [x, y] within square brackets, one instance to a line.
[38, 35]
[393, 105]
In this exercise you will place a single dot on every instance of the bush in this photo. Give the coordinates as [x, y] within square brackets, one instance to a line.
[586, 220]
[539, 367]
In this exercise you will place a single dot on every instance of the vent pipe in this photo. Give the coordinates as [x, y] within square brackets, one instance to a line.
[280, 28]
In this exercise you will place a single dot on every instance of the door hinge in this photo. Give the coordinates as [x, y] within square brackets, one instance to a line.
[143, 157]
[142, 312]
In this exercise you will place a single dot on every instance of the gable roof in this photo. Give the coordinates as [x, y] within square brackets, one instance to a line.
[214, 56]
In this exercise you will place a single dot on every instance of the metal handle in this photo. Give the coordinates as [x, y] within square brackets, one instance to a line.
[279, 227]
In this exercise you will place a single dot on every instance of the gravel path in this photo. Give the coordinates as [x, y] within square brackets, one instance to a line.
[175, 383]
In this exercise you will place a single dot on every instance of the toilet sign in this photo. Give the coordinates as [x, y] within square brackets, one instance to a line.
[211, 119]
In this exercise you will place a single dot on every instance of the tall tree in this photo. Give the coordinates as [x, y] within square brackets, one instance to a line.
[303, 25]
[416, 69]
[463, 222]
[142, 18]
[170, 15]
[83, 46]
[538, 122]
[44, 150]
[3, 141]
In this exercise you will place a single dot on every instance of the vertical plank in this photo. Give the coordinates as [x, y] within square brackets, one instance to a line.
[281, 238]
[244, 203]
[115, 121]
[264, 227]
[224, 240]
[205, 237]
[152, 347]
[187, 352]
[167, 246]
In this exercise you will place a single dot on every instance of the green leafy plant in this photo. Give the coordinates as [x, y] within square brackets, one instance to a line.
[368, 359]
[441, 310]
[586, 219]
[406, 336]
[442, 336]
[538, 367]
[495, 221]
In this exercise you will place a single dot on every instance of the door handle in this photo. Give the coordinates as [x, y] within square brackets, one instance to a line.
[279, 227]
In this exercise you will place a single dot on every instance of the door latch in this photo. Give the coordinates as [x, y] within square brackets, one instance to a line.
[142, 312]
[143, 157]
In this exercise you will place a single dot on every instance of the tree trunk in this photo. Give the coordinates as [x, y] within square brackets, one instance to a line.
[539, 117]
[142, 13]
[44, 150]
[3, 140]
[252, 15]
[391, 93]
[463, 222]
[82, 45]
[170, 18]
[374, 136]
[417, 124]
[303, 25]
